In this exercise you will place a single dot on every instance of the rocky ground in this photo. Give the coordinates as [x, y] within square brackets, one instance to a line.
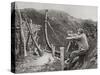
[38, 64]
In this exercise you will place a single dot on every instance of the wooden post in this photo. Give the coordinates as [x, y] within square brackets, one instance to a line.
[23, 36]
[46, 34]
[62, 57]
[22, 31]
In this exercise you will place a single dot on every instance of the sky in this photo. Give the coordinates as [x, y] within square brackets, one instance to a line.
[78, 11]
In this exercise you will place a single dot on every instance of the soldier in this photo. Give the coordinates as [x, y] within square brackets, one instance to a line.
[82, 42]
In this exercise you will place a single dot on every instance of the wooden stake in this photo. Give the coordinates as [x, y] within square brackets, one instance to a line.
[62, 57]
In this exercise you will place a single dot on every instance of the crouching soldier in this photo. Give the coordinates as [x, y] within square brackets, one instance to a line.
[83, 46]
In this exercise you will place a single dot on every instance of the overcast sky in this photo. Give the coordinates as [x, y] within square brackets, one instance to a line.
[83, 12]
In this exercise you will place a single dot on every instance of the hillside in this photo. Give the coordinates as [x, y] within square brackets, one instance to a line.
[68, 22]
